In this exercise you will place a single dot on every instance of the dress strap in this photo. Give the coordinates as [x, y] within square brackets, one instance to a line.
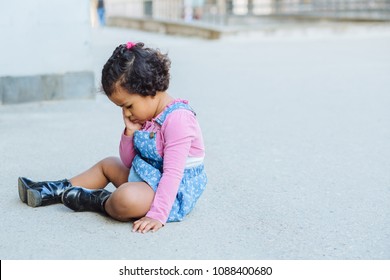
[178, 105]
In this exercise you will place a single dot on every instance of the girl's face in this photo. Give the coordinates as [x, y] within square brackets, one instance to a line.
[137, 108]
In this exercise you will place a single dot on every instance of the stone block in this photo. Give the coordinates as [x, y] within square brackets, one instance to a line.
[72, 85]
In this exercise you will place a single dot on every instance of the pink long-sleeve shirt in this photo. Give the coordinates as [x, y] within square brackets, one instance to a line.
[179, 141]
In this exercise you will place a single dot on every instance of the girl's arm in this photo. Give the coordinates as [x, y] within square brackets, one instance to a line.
[179, 130]
[126, 146]
[126, 150]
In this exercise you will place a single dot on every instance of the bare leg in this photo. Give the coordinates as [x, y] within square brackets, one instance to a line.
[108, 170]
[130, 200]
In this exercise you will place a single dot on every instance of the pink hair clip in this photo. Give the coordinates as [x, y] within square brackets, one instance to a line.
[129, 45]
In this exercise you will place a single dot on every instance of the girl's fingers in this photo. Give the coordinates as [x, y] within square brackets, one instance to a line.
[144, 225]
[147, 227]
[156, 227]
[139, 225]
[136, 225]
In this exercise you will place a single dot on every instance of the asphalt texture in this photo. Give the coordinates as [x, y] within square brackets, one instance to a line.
[297, 133]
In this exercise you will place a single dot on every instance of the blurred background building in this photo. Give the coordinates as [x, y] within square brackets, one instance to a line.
[45, 51]
[212, 19]
[228, 11]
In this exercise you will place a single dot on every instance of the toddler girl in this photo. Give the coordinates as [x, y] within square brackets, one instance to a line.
[160, 174]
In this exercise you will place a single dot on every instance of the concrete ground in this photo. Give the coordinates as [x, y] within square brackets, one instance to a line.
[297, 131]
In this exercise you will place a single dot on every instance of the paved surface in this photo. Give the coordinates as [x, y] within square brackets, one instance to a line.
[297, 131]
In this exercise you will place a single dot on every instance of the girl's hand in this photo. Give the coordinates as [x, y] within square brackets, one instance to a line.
[146, 224]
[130, 126]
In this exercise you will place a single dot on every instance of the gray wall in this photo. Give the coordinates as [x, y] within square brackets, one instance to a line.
[45, 50]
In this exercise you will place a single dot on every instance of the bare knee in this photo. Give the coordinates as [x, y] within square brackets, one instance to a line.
[114, 170]
[130, 200]
[108, 162]
[110, 169]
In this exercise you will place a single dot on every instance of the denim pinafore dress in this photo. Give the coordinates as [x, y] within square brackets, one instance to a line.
[147, 166]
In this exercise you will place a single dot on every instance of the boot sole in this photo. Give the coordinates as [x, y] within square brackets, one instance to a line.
[22, 189]
[34, 198]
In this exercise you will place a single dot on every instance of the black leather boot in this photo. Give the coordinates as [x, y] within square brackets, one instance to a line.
[81, 199]
[41, 193]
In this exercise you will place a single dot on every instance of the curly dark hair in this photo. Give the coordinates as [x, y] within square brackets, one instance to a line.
[139, 70]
